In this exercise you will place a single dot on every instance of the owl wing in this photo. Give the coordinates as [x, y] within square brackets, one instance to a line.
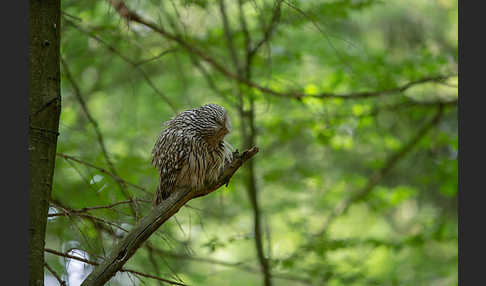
[169, 157]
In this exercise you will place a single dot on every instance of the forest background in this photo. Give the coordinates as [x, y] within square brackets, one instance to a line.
[353, 105]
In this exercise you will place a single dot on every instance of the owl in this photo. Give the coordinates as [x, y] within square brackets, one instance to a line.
[191, 150]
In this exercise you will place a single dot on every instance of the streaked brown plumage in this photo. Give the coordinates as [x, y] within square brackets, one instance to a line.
[191, 149]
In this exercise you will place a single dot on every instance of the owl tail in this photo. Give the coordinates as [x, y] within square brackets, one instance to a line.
[161, 194]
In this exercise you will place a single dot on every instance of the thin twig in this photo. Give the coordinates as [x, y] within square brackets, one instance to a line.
[229, 37]
[374, 180]
[253, 196]
[382, 172]
[153, 262]
[86, 209]
[61, 282]
[99, 136]
[70, 212]
[131, 16]
[94, 263]
[52, 251]
[237, 265]
[104, 171]
[399, 89]
[267, 32]
[337, 51]
[136, 65]
[209, 80]
[250, 140]
[142, 62]
[151, 276]
[398, 107]
[244, 28]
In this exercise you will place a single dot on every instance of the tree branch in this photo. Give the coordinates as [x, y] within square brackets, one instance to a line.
[253, 196]
[394, 158]
[152, 276]
[267, 33]
[244, 28]
[99, 136]
[52, 251]
[163, 53]
[156, 217]
[381, 173]
[237, 265]
[86, 209]
[136, 65]
[94, 263]
[104, 171]
[210, 82]
[131, 16]
[61, 282]
[398, 107]
[398, 89]
[249, 139]
[69, 212]
[229, 36]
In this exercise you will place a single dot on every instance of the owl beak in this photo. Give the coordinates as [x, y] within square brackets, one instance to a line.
[227, 126]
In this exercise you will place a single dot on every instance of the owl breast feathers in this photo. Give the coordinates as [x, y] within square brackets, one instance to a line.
[190, 150]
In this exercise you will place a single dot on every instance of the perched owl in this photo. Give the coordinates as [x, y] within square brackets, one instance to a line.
[191, 150]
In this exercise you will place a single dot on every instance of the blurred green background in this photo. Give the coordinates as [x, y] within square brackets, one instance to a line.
[351, 191]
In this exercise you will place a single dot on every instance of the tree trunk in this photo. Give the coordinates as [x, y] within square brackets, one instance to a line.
[44, 111]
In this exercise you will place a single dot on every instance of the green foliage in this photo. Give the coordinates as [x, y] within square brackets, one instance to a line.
[314, 153]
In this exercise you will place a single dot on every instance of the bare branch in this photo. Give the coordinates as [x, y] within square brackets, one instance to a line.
[99, 136]
[237, 265]
[156, 217]
[86, 209]
[94, 123]
[131, 16]
[94, 263]
[337, 51]
[156, 57]
[229, 36]
[52, 251]
[398, 89]
[398, 107]
[381, 173]
[70, 212]
[249, 139]
[71, 16]
[61, 282]
[253, 196]
[209, 80]
[91, 217]
[374, 180]
[267, 32]
[104, 171]
[136, 65]
[152, 277]
[153, 261]
[244, 27]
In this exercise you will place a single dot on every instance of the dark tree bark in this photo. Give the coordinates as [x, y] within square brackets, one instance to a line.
[44, 111]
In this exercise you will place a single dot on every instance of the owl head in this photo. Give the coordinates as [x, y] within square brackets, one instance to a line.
[209, 122]
[217, 118]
